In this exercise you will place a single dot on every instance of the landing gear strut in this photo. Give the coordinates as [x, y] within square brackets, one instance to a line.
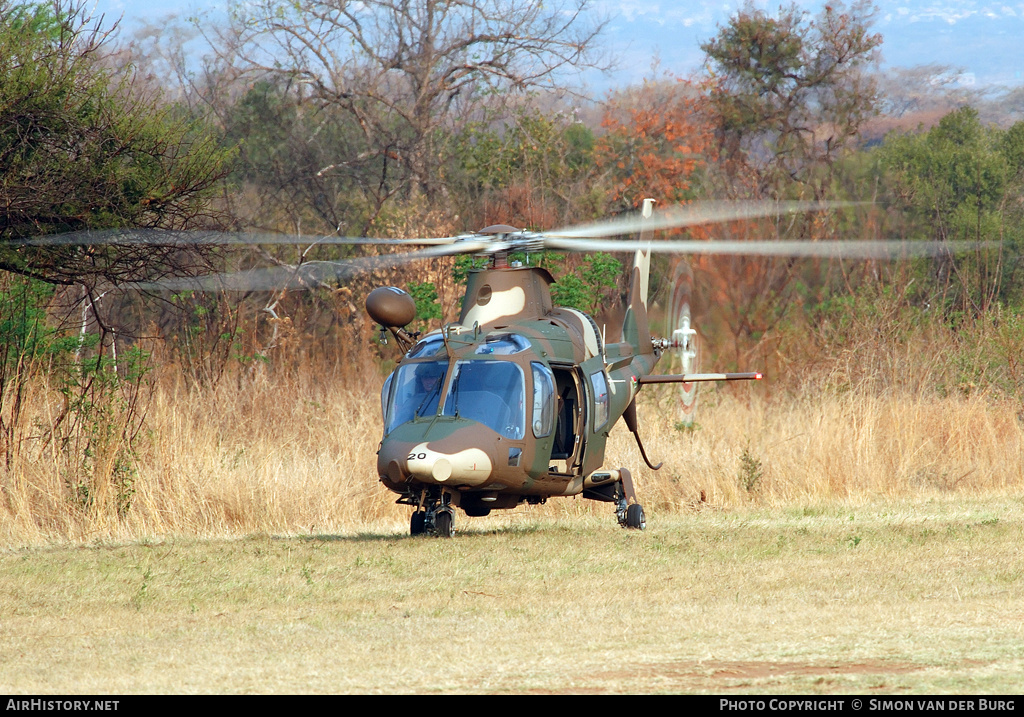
[435, 516]
[627, 510]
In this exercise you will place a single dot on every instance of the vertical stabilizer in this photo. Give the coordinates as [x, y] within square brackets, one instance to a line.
[634, 328]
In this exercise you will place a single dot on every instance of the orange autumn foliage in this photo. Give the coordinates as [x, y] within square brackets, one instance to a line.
[655, 144]
[660, 142]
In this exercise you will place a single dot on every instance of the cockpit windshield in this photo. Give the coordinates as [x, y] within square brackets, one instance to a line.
[429, 346]
[491, 393]
[488, 392]
[415, 392]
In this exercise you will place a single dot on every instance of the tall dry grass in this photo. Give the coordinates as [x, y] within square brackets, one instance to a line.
[296, 453]
[856, 446]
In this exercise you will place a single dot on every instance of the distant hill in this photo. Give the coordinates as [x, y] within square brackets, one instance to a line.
[984, 39]
[986, 44]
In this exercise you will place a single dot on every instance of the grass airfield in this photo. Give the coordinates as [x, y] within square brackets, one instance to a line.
[908, 597]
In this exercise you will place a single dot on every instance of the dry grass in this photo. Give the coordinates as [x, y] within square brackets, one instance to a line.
[855, 446]
[895, 597]
[839, 543]
[297, 455]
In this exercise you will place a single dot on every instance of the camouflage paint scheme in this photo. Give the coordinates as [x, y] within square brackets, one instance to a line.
[473, 465]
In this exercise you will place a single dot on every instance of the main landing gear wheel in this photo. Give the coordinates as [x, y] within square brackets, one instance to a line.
[635, 517]
[629, 514]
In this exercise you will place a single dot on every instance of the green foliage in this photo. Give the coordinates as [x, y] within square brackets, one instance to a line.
[206, 336]
[427, 306]
[988, 359]
[961, 181]
[751, 471]
[260, 124]
[92, 435]
[25, 337]
[879, 338]
[36, 18]
[590, 288]
[874, 312]
[579, 145]
[573, 292]
[463, 265]
[308, 169]
[79, 150]
[958, 162]
[29, 347]
[686, 428]
[531, 144]
[101, 396]
[540, 164]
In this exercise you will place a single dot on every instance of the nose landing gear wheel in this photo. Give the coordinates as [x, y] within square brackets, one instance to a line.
[444, 524]
[417, 524]
[434, 515]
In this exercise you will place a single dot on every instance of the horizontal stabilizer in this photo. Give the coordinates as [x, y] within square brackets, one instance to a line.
[695, 377]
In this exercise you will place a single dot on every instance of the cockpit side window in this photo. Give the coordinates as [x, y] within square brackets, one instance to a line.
[600, 387]
[543, 400]
[385, 394]
[416, 392]
[429, 346]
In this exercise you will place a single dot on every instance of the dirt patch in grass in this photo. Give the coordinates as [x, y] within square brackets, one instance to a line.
[737, 674]
[716, 676]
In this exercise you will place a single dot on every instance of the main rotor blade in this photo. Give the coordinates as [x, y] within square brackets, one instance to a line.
[842, 248]
[691, 215]
[304, 276]
[672, 217]
[170, 237]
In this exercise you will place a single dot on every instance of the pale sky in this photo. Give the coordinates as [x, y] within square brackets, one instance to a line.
[980, 36]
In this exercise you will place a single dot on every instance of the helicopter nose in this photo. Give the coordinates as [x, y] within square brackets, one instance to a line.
[433, 464]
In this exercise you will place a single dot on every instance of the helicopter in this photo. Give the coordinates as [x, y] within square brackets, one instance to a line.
[513, 402]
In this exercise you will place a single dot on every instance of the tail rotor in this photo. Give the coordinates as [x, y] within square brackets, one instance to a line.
[684, 344]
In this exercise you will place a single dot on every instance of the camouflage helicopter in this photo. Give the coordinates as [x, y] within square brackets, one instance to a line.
[514, 401]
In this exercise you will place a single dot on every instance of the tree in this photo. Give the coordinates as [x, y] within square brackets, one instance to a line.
[656, 144]
[80, 151]
[527, 167]
[290, 175]
[406, 71]
[961, 180]
[791, 93]
[924, 89]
